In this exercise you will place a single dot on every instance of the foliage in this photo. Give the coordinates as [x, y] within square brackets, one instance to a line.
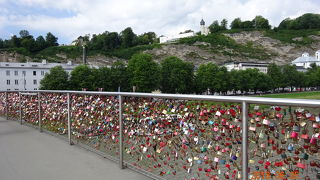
[119, 77]
[275, 74]
[83, 76]
[287, 36]
[56, 79]
[176, 76]
[143, 73]
[306, 21]
[220, 42]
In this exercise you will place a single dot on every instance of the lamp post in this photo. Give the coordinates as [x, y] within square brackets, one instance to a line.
[83, 43]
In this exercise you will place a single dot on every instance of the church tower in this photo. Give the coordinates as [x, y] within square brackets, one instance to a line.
[203, 29]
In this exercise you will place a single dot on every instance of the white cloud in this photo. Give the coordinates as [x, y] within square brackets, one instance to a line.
[163, 17]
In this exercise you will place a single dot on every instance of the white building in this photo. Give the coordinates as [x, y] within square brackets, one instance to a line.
[26, 76]
[262, 67]
[167, 39]
[306, 60]
[204, 29]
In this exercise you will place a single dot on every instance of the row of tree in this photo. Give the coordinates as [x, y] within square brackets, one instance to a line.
[306, 21]
[173, 75]
[113, 40]
[27, 41]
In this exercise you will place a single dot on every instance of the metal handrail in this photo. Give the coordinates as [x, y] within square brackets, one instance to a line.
[245, 102]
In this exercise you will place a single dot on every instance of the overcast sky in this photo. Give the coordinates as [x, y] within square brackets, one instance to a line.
[68, 19]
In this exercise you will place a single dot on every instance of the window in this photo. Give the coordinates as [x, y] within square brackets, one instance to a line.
[42, 73]
[34, 73]
[35, 81]
[23, 73]
[25, 82]
[16, 82]
[16, 89]
[35, 89]
[8, 73]
[8, 82]
[16, 73]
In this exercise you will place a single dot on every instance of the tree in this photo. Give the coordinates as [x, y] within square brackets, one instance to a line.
[144, 73]
[206, 78]
[111, 41]
[285, 24]
[214, 27]
[102, 78]
[83, 76]
[147, 38]
[1, 43]
[261, 23]
[51, 40]
[224, 24]
[128, 38]
[263, 82]
[275, 74]
[24, 33]
[56, 79]
[247, 25]
[119, 77]
[176, 76]
[236, 23]
[15, 41]
[29, 43]
[289, 75]
[40, 43]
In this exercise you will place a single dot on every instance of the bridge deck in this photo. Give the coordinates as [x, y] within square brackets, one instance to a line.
[26, 154]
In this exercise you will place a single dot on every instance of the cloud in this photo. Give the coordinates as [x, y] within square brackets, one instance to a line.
[70, 18]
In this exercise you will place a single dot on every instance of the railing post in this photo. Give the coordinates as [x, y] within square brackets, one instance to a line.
[69, 118]
[6, 93]
[245, 172]
[120, 134]
[20, 108]
[39, 109]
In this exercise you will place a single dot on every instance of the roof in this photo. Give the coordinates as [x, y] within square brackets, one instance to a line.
[202, 22]
[36, 65]
[305, 59]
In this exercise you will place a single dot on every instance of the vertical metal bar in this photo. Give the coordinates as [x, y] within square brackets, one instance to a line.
[20, 108]
[69, 118]
[6, 93]
[120, 134]
[245, 174]
[39, 109]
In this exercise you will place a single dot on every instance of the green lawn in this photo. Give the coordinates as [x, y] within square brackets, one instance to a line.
[299, 95]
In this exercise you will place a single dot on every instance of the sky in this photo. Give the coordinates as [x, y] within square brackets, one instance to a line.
[68, 19]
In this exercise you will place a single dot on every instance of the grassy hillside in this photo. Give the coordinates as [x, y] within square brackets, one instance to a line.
[221, 44]
[288, 36]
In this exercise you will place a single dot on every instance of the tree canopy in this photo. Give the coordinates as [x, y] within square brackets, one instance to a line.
[56, 79]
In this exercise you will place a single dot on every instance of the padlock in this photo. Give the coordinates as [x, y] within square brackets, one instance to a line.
[296, 128]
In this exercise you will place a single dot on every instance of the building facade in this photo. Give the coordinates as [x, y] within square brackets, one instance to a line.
[262, 67]
[26, 76]
[305, 60]
[168, 39]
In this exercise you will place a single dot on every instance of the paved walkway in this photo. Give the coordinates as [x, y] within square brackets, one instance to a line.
[26, 154]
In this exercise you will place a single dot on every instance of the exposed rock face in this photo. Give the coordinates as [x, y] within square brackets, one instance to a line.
[202, 52]
[284, 53]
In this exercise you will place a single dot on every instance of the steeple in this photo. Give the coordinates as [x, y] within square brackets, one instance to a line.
[202, 23]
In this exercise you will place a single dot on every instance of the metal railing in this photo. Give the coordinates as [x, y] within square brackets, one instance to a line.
[244, 101]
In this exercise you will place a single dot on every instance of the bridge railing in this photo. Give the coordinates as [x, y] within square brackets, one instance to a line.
[170, 136]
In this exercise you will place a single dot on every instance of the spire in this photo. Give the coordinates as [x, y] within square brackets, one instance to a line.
[202, 23]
